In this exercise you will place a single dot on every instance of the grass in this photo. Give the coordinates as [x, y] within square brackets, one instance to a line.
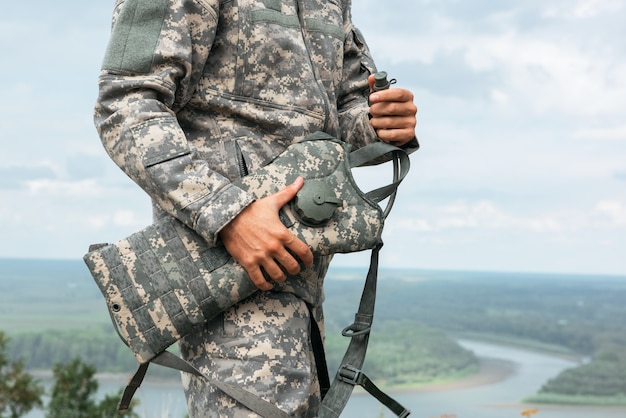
[558, 399]
[518, 342]
[44, 318]
[408, 384]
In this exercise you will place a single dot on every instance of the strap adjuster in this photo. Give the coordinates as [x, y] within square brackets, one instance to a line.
[349, 374]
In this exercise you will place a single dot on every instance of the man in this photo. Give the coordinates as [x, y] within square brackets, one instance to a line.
[197, 93]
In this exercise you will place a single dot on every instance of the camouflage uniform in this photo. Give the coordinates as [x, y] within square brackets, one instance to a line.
[195, 94]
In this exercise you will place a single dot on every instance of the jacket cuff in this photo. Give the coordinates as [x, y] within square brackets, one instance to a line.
[223, 209]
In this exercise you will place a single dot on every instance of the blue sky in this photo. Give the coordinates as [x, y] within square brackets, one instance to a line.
[522, 125]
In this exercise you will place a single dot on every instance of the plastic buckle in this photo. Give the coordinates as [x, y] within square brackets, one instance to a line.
[356, 373]
[404, 413]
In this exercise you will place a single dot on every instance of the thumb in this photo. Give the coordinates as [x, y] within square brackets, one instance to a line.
[371, 82]
[285, 195]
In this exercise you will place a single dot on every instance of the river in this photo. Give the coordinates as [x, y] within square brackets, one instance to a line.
[527, 371]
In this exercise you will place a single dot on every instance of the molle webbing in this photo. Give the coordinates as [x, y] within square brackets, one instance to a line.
[161, 282]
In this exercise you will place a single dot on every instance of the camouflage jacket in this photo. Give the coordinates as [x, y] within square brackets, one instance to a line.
[195, 93]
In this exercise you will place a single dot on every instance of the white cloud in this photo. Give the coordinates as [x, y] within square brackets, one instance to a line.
[499, 97]
[521, 124]
[486, 215]
[610, 133]
[63, 189]
[126, 218]
[542, 66]
[118, 219]
[612, 213]
[582, 9]
[97, 222]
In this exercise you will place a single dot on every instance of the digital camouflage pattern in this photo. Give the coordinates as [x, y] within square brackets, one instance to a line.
[192, 90]
[194, 94]
[242, 347]
[164, 280]
[354, 223]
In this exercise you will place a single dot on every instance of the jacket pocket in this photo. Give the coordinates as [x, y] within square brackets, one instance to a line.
[159, 141]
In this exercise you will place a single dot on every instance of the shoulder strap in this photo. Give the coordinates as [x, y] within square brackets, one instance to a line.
[335, 395]
[401, 165]
[349, 373]
[167, 359]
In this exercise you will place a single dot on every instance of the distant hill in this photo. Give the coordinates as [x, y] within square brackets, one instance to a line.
[568, 314]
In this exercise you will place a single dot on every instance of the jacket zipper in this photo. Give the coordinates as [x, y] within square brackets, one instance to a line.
[241, 162]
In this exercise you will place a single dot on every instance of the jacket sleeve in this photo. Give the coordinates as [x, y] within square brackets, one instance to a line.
[352, 102]
[153, 62]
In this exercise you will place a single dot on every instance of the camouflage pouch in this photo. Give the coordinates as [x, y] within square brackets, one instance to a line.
[164, 280]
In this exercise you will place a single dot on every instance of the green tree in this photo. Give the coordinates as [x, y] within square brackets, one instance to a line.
[73, 394]
[107, 408]
[19, 391]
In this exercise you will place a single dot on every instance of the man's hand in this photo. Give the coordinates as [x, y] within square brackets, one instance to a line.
[393, 114]
[258, 240]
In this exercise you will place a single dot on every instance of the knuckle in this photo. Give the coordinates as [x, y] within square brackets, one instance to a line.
[274, 247]
[292, 266]
[284, 237]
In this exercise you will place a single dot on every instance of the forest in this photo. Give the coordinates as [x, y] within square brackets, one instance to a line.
[580, 316]
[54, 313]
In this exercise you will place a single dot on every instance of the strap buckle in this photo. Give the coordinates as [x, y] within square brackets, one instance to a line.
[349, 374]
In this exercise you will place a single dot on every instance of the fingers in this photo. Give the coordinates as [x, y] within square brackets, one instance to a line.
[294, 246]
[395, 136]
[257, 277]
[392, 95]
[264, 247]
[278, 261]
[284, 196]
[301, 251]
[393, 115]
[392, 102]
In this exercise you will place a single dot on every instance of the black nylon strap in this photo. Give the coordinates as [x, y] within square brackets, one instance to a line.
[401, 166]
[132, 387]
[320, 356]
[355, 376]
[340, 391]
[342, 386]
[248, 399]
[335, 396]
[167, 359]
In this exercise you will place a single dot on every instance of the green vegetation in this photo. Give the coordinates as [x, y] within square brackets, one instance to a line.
[601, 381]
[569, 313]
[598, 378]
[76, 325]
[19, 392]
[406, 354]
[583, 400]
[99, 344]
[55, 312]
[37, 295]
[580, 316]
[72, 394]
[399, 353]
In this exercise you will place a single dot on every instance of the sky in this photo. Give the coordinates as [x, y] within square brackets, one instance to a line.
[522, 125]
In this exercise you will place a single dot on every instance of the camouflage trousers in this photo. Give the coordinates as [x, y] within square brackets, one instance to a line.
[261, 344]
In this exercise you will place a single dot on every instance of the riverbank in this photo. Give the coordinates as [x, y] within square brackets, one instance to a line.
[504, 378]
[490, 371]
